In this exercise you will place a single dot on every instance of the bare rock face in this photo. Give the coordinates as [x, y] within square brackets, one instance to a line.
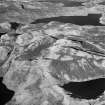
[53, 52]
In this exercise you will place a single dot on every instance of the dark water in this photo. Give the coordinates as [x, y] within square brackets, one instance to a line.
[86, 90]
[91, 19]
[14, 25]
[5, 94]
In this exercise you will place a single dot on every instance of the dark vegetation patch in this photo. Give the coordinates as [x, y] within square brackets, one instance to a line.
[2, 34]
[65, 2]
[102, 3]
[35, 52]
